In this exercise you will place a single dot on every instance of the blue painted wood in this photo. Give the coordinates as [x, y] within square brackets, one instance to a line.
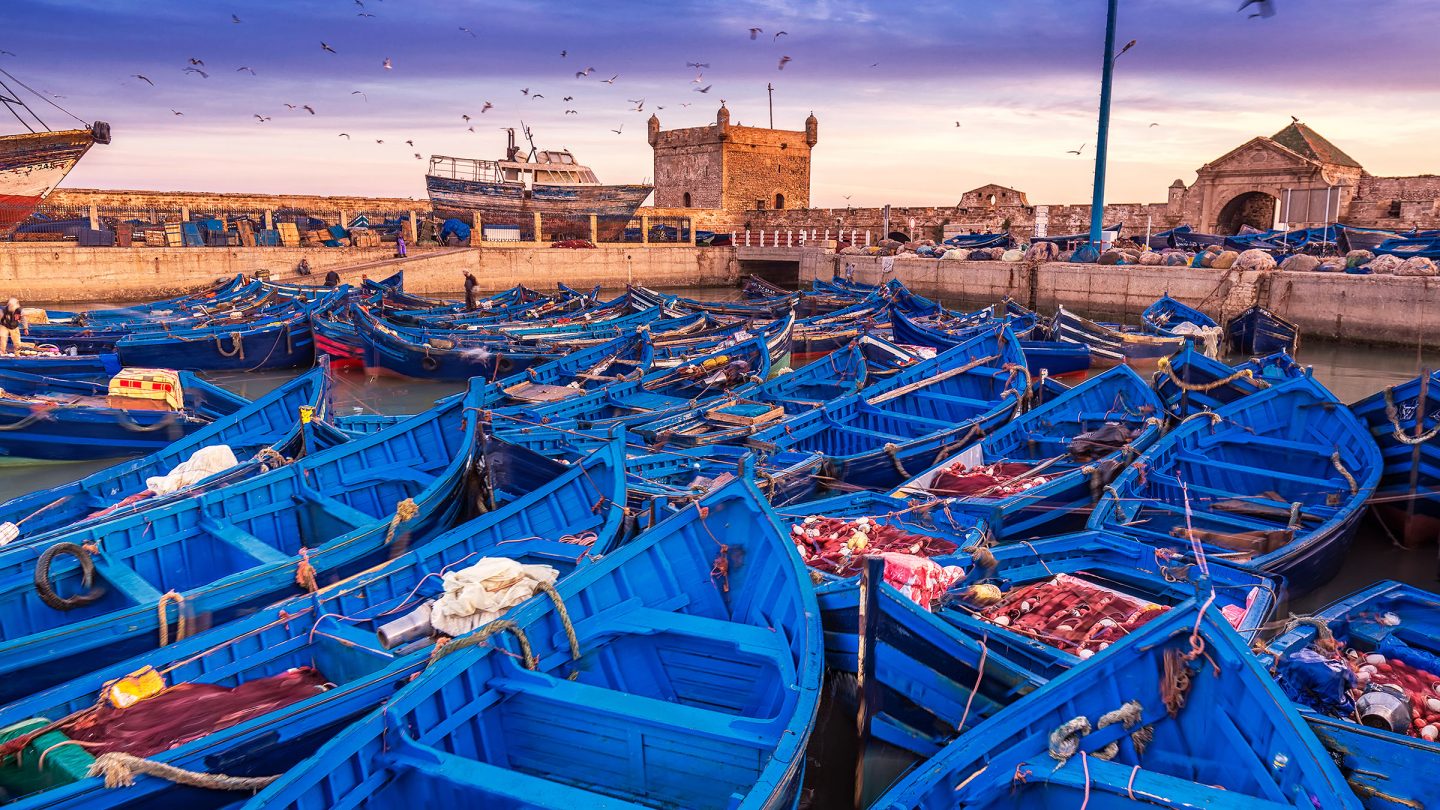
[334, 631]
[697, 687]
[1110, 344]
[271, 421]
[1042, 436]
[1400, 422]
[232, 549]
[1235, 742]
[1189, 382]
[1388, 771]
[1163, 316]
[68, 420]
[1258, 331]
[1303, 464]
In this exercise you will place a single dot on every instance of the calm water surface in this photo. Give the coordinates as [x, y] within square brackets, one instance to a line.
[1350, 371]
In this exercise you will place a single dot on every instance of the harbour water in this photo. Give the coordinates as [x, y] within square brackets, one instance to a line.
[1351, 371]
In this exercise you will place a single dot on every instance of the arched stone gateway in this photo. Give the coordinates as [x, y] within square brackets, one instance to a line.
[1256, 209]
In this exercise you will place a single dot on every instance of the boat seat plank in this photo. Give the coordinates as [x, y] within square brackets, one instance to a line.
[123, 578]
[243, 540]
[1193, 458]
[334, 507]
[498, 785]
[1267, 443]
[757, 641]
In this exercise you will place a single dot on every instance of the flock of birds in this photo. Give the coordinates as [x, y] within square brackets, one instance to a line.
[196, 67]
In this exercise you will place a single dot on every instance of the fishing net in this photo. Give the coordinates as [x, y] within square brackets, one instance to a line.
[990, 480]
[1100, 442]
[839, 546]
[1071, 614]
[188, 711]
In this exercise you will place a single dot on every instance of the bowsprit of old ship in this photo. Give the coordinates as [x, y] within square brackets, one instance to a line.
[33, 163]
[510, 191]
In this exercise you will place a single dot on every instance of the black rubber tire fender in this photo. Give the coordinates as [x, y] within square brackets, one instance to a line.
[87, 577]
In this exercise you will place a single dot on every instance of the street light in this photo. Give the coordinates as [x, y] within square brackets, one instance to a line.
[1091, 250]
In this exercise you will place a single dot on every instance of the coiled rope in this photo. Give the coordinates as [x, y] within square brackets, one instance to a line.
[1349, 479]
[1392, 413]
[564, 614]
[35, 416]
[483, 635]
[1065, 739]
[893, 451]
[127, 422]
[119, 770]
[1129, 715]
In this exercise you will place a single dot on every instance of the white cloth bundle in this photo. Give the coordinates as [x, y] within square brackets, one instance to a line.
[481, 593]
[202, 464]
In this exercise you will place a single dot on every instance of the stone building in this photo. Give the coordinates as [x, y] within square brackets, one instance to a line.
[731, 167]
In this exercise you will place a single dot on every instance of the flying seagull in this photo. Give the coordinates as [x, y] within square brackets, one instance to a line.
[537, 95]
[308, 108]
[1265, 8]
[611, 80]
[783, 61]
[145, 79]
[361, 94]
[1154, 125]
[261, 118]
[704, 89]
[568, 98]
[409, 143]
[344, 135]
[466, 117]
[957, 123]
[779, 34]
[378, 140]
[524, 91]
[234, 19]
[325, 46]
[417, 156]
[564, 54]
[1077, 151]
[571, 112]
[177, 112]
[698, 65]
[364, 14]
[386, 64]
[251, 71]
[487, 106]
[617, 131]
[195, 61]
[289, 106]
[754, 32]
[202, 73]
[467, 30]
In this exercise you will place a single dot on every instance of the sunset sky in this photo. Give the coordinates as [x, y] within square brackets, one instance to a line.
[888, 82]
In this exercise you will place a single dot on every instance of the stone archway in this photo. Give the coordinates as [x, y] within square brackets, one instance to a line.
[1254, 208]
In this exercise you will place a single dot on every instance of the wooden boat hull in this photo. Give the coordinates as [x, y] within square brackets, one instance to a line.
[1111, 346]
[270, 421]
[284, 343]
[512, 204]
[32, 164]
[1258, 331]
[1408, 495]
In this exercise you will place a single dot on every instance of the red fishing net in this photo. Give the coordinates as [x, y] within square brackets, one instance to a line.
[188, 711]
[1423, 688]
[991, 480]
[839, 546]
[1071, 614]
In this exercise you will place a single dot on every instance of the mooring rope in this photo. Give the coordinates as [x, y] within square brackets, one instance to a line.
[165, 600]
[404, 511]
[237, 345]
[564, 614]
[1350, 479]
[119, 770]
[1392, 413]
[478, 638]
[1242, 374]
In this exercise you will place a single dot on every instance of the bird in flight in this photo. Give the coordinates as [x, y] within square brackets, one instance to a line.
[417, 156]
[325, 46]
[874, 64]
[564, 54]
[957, 123]
[537, 95]
[779, 34]
[202, 73]
[704, 89]
[142, 78]
[1266, 8]
[568, 98]
[699, 65]
[361, 94]
[472, 129]
[1295, 120]
[686, 103]
[1077, 151]
[177, 112]
[364, 14]
[409, 143]
[234, 19]
[1154, 125]
[378, 140]
[524, 91]
[783, 61]
[195, 61]
[487, 106]
[611, 80]
[251, 71]
[617, 131]
[754, 32]
[261, 118]
[571, 112]
[386, 64]
[344, 135]
[467, 30]
[308, 108]
[466, 117]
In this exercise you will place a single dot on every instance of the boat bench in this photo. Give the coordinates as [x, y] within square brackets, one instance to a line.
[1190, 457]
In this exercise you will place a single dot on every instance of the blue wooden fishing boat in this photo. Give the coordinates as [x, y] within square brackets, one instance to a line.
[1191, 382]
[731, 419]
[663, 392]
[284, 341]
[1258, 331]
[1113, 344]
[696, 657]
[386, 350]
[1041, 473]
[229, 289]
[290, 675]
[270, 422]
[1275, 482]
[624, 358]
[922, 414]
[1404, 420]
[1319, 661]
[1169, 317]
[57, 364]
[772, 307]
[107, 590]
[1176, 714]
[68, 420]
[1049, 357]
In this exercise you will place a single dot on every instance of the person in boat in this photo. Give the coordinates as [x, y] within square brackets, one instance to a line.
[470, 285]
[12, 324]
[400, 247]
[332, 279]
[303, 268]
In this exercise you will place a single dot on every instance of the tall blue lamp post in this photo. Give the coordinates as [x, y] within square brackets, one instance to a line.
[1091, 250]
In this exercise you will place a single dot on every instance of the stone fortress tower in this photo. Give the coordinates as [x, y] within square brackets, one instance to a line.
[730, 167]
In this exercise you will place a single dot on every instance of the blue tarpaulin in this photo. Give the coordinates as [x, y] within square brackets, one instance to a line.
[456, 228]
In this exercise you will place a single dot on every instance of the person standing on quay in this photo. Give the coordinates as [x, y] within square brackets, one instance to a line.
[332, 279]
[400, 247]
[470, 285]
[12, 323]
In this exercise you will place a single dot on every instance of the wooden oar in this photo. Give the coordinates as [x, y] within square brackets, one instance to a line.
[944, 375]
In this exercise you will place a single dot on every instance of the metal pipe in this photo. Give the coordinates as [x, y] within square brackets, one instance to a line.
[1102, 139]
